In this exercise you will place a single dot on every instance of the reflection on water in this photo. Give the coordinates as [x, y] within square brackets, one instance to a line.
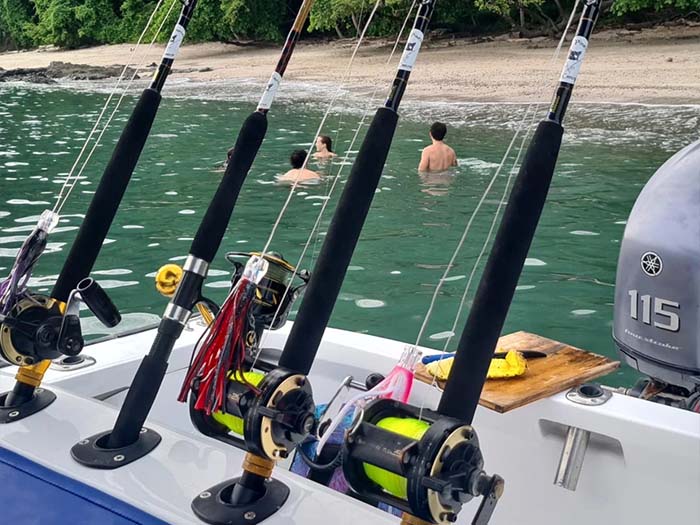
[437, 183]
[416, 220]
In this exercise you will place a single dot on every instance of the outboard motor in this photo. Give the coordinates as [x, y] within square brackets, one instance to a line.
[657, 296]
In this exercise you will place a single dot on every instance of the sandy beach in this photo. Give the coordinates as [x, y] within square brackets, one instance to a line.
[656, 66]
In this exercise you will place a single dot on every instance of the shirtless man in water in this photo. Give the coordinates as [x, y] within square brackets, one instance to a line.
[438, 156]
[297, 174]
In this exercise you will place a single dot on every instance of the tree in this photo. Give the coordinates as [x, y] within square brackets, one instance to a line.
[341, 15]
[255, 19]
[16, 19]
[72, 23]
[621, 7]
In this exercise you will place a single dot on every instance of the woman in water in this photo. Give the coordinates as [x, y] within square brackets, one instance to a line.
[298, 173]
[324, 148]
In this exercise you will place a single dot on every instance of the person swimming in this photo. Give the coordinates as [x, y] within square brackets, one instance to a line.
[298, 173]
[324, 148]
[438, 156]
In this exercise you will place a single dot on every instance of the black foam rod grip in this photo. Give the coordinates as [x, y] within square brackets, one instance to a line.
[213, 226]
[144, 388]
[108, 196]
[501, 273]
[339, 244]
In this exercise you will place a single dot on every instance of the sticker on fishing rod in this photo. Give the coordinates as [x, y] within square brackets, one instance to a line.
[174, 44]
[270, 91]
[573, 62]
[410, 52]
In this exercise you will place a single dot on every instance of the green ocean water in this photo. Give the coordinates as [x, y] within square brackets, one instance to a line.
[566, 290]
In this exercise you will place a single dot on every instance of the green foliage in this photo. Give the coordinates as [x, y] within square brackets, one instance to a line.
[328, 15]
[622, 7]
[16, 19]
[256, 19]
[72, 23]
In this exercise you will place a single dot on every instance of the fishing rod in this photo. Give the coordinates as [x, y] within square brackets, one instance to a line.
[128, 435]
[351, 212]
[281, 413]
[513, 239]
[38, 328]
[429, 463]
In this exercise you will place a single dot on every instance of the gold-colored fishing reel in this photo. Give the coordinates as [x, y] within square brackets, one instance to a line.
[270, 421]
[275, 293]
[419, 461]
[39, 328]
[29, 333]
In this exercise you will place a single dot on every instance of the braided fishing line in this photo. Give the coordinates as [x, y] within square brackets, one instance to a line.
[530, 110]
[341, 167]
[108, 101]
[59, 204]
[327, 113]
[397, 41]
[513, 171]
[13, 286]
[505, 191]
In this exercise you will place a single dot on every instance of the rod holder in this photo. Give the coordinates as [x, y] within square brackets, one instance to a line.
[572, 456]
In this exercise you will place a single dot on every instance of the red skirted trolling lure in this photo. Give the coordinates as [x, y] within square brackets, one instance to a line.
[223, 350]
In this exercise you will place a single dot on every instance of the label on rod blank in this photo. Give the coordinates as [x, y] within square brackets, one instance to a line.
[174, 43]
[573, 62]
[270, 91]
[410, 52]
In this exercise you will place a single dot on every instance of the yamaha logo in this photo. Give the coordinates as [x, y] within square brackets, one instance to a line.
[652, 264]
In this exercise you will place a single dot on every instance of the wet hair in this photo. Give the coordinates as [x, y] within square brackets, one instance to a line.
[438, 130]
[297, 158]
[325, 139]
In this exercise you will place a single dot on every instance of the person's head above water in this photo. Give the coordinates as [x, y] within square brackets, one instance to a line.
[297, 158]
[324, 143]
[438, 131]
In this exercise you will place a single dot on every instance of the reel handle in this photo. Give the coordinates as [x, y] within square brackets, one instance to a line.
[70, 340]
[491, 489]
[99, 303]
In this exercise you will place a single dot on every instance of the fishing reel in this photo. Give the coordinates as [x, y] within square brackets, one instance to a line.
[38, 328]
[268, 415]
[418, 461]
[273, 419]
[274, 295]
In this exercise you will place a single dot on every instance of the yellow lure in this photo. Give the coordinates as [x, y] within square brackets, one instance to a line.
[514, 365]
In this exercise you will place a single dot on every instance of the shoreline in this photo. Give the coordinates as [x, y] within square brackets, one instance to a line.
[658, 66]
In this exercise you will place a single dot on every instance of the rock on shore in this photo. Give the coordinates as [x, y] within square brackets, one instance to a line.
[62, 70]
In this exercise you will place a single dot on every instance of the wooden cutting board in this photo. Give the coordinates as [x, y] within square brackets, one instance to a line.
[564, 367]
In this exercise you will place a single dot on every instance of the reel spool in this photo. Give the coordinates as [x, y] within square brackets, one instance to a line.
[274, 420]
[269, 423]
[423, 463]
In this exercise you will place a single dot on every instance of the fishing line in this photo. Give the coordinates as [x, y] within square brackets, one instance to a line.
[531, 106]
[59, 204]
[531, 109]
[505, 191]
[330, 107]
[397, 41]
[108, 101]
[342, 165]
[13, 287]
